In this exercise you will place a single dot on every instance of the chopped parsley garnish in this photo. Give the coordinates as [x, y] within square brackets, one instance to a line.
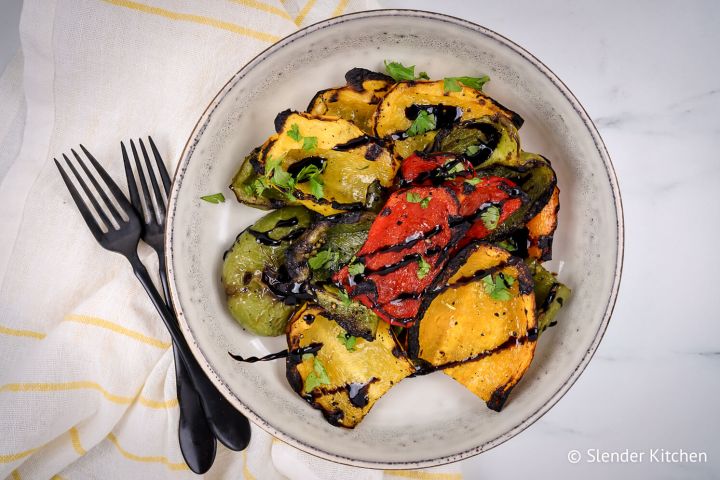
[312, 174]
[356, 268]
[344, 297]
[452, 84]
[498, 287]
[259, 186]
[413, 197]
[316, 187]
[309, 143]
[214, 198]
[490, 217]
[508, 245]
[348, 340]
[317, 377]
[423, 268]
[472, 150]
[284, 180]
[473, 181]
[276, 175]
[400, 72]
[423, 123]
[294, 132]
[456, 168]
[322, 258]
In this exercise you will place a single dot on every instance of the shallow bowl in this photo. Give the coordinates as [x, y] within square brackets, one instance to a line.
[422, 421]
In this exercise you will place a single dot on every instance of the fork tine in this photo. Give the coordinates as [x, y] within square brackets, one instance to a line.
[132, 185]
[156, 188]
[84, 210]
[100, 191]
[161, 167]
[89, 194]
[120, 197]
[149, 211]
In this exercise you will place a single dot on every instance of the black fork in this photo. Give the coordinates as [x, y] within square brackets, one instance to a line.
[197, 442]
[122, 235]
[153, 214]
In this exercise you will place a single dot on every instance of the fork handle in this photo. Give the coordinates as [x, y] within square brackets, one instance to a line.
[230, 426]
[197, 441]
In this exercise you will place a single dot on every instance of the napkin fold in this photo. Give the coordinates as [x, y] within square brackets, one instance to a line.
[87, 385]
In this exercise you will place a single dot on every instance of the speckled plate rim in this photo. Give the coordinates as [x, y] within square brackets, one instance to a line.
[202, 125]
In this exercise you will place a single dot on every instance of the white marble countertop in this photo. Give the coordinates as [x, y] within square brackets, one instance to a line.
[648, 73]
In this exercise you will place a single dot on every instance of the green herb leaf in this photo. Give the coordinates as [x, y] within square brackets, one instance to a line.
[281, 178]
[473, 181]
[312, 173]
[316, 187]
[474, 82]
[400, 72]
[423, 268]
[322, 258]
[344, 297]
[508, 245]
[271, 164]
[356, 268]
[317, 377]
[307, 172]
[457, 168]
[452, 84]
[472, 150]
[294, 132]
[498, 287]
[423, 76]
[490, 217]
[423, 123]
[348, 340]
[413, 197]
[310, 143]
[259, 186]
[214, 198]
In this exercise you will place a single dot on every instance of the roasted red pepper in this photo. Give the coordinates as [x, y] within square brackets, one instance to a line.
[407, 247]
[409, 243]
[476, 202]
[432, 169]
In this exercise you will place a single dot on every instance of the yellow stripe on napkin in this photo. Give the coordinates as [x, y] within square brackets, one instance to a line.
[21, 333]
[341, 6]
[88, 385]
[145, 459]
[17, 456]
[189, 17]
[99, 322]
[304, 12]
[75, 440]
[264, 7]
[247, 474]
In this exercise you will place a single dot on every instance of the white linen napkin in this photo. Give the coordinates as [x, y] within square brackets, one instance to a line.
[87, 385]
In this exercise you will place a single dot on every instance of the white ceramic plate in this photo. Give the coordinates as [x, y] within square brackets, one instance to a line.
[422, 421]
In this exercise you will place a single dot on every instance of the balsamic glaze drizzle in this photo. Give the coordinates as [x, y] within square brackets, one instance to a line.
[313, 348]
[264, 238]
